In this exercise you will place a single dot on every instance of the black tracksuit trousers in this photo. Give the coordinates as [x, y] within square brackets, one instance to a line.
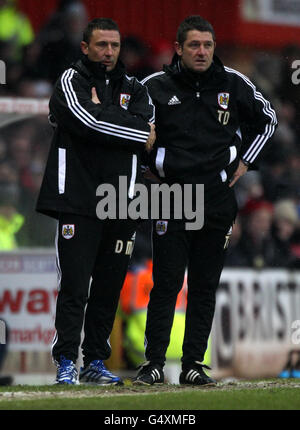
[99, 251]
[202, 254]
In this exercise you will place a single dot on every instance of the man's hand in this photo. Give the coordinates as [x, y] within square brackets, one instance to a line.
[95, 98]
[151, 139]
[240, 171]
[149, 175]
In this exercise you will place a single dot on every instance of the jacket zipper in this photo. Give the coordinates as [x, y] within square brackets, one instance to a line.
[197, 92]
[106, 87]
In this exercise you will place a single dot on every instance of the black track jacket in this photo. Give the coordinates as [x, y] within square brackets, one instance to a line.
[93, 144]
[206, 122]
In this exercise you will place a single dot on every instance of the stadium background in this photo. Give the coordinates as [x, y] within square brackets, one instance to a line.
[258, 305]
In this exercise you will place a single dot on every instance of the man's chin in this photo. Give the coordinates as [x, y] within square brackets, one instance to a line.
[200, 68]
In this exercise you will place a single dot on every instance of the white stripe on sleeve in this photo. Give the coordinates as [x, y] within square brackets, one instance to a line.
[159, 162]
[133, 176]
[61, 170]
[260, 140]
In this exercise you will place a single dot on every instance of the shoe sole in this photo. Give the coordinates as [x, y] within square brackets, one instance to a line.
[209, 384]
[103, 384]
[146, 383]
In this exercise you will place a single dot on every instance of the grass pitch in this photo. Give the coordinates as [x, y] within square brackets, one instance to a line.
[271, 394]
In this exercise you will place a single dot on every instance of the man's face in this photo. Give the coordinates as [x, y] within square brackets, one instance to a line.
[104, 47]
[197, 50]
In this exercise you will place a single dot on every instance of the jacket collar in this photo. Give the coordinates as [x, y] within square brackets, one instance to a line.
[214, 75]
[94, 70]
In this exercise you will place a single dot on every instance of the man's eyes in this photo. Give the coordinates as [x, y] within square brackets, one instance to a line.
[197, 45]
[104, 45]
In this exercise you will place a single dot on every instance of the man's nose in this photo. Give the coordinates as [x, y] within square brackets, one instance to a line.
[109, 50]
[201, 50]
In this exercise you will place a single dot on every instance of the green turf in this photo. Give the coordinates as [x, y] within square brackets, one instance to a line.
[230, 398]
[283, 399]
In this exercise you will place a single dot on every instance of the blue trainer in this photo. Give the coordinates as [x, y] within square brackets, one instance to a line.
[97, 374]
[285, 373]
[66, 372]
[295, 373]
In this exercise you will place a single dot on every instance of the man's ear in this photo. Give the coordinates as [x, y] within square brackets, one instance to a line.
[178, 48]
[84, 47]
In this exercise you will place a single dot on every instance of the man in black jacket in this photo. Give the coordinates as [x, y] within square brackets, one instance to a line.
[211, 125]
[101, 119]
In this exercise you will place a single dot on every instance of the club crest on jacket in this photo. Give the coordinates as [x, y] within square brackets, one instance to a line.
[161, 227]
[124, 100]
[68, 231]
[223, 100]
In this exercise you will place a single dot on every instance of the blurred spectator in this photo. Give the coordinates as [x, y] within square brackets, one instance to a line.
[234, 258]
[55, 23]
[15, 30]
[3, 149]
[249, 187]
[293, 173]
[256, 247]
[8, 173]
[22, 160]
[10, 220]
[266, 235]
[34, 88]
[274, 174]
[58, 41]
[162, 53]
[16, 34]
[21, 155]
[285, 224]
[30, 235]
[266, 74]
[295, 249]
[136, 57]
[28, 153]
[285, 134]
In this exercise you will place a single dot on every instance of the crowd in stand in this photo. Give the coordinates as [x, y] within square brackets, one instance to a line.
[267, 230]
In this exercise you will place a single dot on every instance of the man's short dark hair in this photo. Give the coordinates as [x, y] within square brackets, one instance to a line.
[193, 22]
[99, 24]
